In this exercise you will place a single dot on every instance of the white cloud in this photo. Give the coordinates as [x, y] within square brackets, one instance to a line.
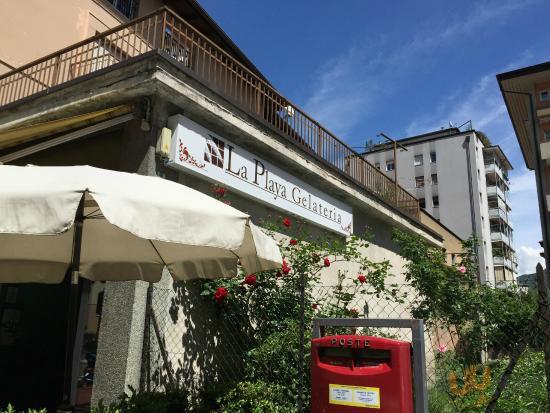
[483, 104]
[528, 258]
[348, 85]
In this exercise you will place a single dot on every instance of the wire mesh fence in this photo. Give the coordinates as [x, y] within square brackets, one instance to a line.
[193, 342]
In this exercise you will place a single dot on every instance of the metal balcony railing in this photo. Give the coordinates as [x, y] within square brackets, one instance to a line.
[166, 32]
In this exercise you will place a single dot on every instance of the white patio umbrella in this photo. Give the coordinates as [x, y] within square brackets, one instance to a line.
[106, 225]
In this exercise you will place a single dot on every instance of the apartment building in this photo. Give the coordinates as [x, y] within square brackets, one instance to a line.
[464, 185]
[526, 92]
[139, 87]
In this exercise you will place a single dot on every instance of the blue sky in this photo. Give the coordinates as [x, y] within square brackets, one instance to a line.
[404, 67]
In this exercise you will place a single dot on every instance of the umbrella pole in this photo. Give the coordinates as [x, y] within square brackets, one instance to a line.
[73, 306]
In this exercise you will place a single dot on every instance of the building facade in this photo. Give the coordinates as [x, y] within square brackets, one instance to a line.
[464, 185]
[169, 94]
[526, 92]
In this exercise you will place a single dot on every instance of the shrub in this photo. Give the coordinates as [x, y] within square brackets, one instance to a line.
[257, 397]
[11, 409]
[525, 393]
[172, 401]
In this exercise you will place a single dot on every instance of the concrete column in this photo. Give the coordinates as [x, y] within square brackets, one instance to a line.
[120, 343]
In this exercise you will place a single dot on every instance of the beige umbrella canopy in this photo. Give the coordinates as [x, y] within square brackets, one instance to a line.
[106, 225]
[133, 226]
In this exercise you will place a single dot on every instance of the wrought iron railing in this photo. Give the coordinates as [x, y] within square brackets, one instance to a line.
[168, 33]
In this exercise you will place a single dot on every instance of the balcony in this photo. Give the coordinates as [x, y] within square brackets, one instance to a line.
[498, 213]
[493, 168]
[497, 236]
[503, 261]
[493, 190]
[165, 33]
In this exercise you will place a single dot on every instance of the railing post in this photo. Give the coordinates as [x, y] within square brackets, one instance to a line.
[163, 33]
[55, 71]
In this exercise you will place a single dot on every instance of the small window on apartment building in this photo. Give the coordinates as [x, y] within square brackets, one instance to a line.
[377, 165]
[390, 166]
[544, 95]
[434, 179]
[419, 181]
[422, 202]
[433, 157]
[418, 160]
[435, 201]
[547, 135]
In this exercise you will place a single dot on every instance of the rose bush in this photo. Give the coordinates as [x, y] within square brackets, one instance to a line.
[269, 311]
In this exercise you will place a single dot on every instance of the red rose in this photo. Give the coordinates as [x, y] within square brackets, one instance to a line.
[293, 242]
[354, 313]
[326, 262]
[362, 279]
[250, 279]
[227, 202]
[286, 269]
[314, 306]
[220, 294]
[286, 222]
[219, 191]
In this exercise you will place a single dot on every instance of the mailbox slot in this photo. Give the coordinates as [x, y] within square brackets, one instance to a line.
[354, 357]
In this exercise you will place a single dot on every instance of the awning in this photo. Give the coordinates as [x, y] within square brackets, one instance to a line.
[12, 137]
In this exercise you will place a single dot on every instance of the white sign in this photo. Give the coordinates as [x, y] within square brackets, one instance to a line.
[367, 397]
[197, 150]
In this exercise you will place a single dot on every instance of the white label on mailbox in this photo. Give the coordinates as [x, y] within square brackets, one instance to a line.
[368, 397]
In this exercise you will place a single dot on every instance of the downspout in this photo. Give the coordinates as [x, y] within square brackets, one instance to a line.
[472, 206]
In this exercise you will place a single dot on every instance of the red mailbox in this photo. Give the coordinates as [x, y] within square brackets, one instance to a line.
[358, 374]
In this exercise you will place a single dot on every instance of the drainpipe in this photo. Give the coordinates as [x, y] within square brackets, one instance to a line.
[472, 206]
[539, 173]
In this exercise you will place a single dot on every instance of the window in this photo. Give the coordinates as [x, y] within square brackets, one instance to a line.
[547, 135]
[434, 179]
[214, 152]
[422, 203]
[126, 7]
[390, 166]
[419, 181]
[433, 157]
[435, 201]
[377, 165]
[544, 95]
[418, 160]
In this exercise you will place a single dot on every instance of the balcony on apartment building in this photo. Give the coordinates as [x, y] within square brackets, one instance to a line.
[495, 190]
[165, 34]
[494, 168]
[502, 261]
[500, 214]
[501, 236]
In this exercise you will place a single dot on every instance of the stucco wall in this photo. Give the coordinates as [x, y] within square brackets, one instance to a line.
[32, 29]
[451, 243]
